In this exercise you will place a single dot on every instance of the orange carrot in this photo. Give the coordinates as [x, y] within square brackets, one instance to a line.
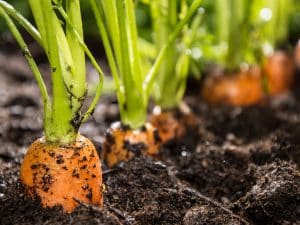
[62, 174]
[62, 168]
[241, 89]
[122, 143]
[280, 72]
[297, 54]
[167, 126]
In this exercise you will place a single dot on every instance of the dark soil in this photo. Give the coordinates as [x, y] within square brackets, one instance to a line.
[238, 166]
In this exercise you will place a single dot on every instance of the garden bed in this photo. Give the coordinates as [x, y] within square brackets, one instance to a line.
[238, 166]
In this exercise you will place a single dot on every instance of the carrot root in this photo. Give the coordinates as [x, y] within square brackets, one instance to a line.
[280, 72]
[62, 175]
[122, 143]
[242, 89]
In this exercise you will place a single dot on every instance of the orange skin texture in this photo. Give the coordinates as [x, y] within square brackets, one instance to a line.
[297, 54]
[168, 126]
[242, 89]
[120, 141]
[122, 144]
[58, 173]
[280, 72]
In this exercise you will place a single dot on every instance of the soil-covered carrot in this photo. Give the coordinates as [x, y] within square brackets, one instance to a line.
[173, 124]
[122, 143]
[297, 54]
[241, 89]
[60, 173]
[133, 81]
[61, 168]
[279, 70]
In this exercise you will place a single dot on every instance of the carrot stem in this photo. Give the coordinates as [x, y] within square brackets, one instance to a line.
[65, 49]
[152, 74]
[118, 30]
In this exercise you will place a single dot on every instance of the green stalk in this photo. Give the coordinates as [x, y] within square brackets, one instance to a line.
[109, 11]
[232, 28]
[79, 38]
[276, 29]
[152, 74]
[77, 54]
[11, 11]
[133, 111]
[33, 66]
[169, 86]
[109, 51]
[66, 53]
[124, 60]
[184, 60]
[62, 129]
[164, 16]
[121, 46]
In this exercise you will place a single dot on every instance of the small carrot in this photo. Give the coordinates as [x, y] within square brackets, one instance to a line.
[167, 126]
[63, 167]
[133, 82]
[122, 143]
[297, 54]
[279, 70]
[241, 89]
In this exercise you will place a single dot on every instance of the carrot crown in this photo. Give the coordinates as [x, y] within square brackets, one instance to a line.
[65, 49]
[133, 82]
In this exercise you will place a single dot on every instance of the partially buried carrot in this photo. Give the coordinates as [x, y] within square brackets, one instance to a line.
[279, 69]
[122, 143]
[297, 54]
[237, 89]
[62, 168]
[134, 85]
[62, 174]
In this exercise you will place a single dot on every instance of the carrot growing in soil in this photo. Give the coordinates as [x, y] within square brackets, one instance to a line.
[170, 84]
[133, 82]
[248, 33]
[62, 167]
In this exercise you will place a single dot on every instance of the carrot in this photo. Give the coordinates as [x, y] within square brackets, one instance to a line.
[62, 174]
[241, 89]
[134, 80]
[122, 143]
[167, 126]
[297, 54]
[63, 167]
[279, 70]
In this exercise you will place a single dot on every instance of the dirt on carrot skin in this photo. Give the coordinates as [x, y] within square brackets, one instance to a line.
[225, 171]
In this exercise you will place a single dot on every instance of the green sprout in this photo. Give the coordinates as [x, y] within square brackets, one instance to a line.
[245, 31]
[133, 82]
[65, 49]
[169, 87]
[271, 20]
